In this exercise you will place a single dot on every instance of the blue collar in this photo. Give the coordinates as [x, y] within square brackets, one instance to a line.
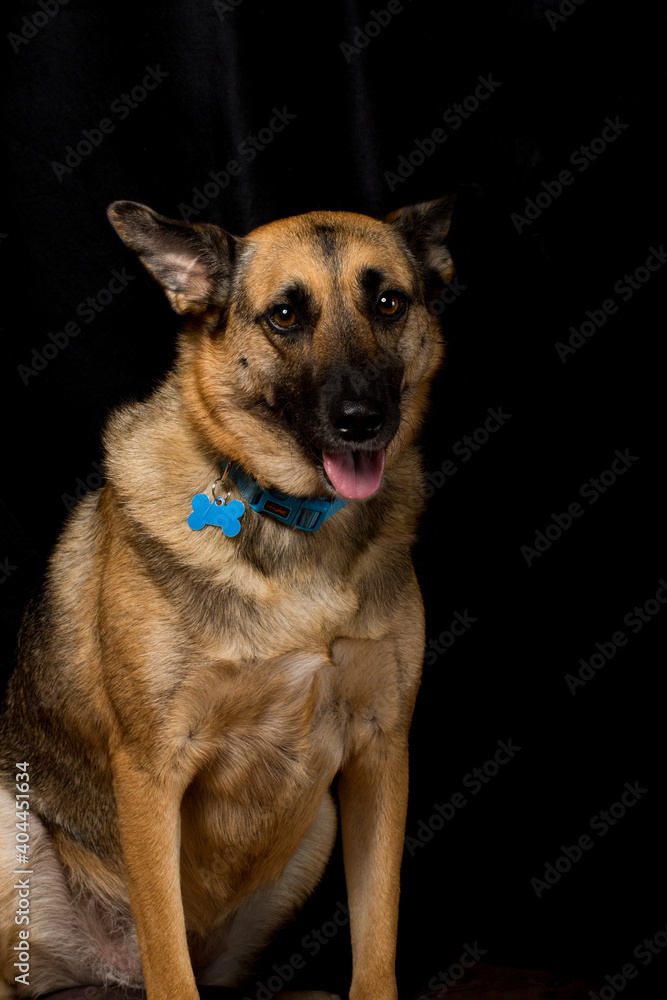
[305, 514]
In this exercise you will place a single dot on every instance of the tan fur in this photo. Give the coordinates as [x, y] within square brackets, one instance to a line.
[209, 689]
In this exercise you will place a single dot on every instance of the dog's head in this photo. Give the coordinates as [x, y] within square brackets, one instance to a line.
[308, 348]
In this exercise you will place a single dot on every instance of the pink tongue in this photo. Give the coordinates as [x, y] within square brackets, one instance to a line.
[355, 474]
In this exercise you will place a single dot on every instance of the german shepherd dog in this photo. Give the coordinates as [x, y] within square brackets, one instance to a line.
[231, 621]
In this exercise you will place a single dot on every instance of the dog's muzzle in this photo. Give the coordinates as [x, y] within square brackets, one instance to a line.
[349, 420]
[359, 428]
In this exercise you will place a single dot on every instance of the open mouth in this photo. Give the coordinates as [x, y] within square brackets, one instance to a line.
[355, 474]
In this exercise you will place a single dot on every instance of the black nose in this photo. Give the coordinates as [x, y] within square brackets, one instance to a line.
[357, 419]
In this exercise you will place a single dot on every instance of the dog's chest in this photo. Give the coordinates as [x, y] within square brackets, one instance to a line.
[262, 725]
[270, 742]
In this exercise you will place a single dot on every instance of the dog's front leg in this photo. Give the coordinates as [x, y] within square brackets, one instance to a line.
[150, 830]
[373, 791]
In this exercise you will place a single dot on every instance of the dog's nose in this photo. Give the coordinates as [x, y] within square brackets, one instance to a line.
[357, 419]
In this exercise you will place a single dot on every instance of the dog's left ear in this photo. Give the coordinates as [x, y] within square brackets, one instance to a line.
[425, 227]
[193, 263]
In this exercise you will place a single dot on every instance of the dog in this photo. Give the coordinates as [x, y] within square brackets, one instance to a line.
[232, 621]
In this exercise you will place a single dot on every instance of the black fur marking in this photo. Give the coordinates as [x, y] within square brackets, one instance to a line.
[373, 281]
[301, 299]
[198, 603]
[328, 239]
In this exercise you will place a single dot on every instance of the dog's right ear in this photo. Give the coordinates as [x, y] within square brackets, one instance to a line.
[425, 227]
[192, 262]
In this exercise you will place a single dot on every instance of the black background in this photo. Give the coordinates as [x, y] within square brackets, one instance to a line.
[357, 112]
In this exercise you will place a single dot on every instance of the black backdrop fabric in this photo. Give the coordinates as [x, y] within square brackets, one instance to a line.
[544, 118]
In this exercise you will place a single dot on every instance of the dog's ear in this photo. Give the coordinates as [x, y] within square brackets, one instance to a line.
[425, 227]
[193, 263]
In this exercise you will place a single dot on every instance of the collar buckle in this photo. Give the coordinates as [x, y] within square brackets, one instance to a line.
[305, 514]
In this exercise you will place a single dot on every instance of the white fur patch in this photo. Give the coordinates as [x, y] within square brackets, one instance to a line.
[73, 941]
[300, 668]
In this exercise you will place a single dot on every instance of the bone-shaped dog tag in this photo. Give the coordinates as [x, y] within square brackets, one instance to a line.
[225, 516]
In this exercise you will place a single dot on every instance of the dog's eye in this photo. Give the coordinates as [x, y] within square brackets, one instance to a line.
[390, 304]
[282, 317]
